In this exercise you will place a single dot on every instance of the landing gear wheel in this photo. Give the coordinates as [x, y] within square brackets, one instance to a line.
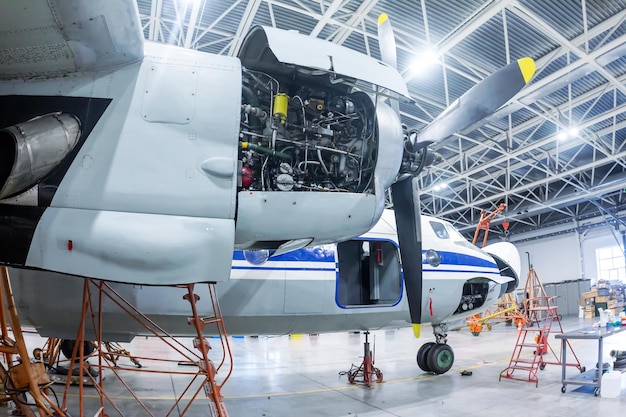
[422, 356]
[596, 392]
[563, 389]
[67, 348]
[440, 358]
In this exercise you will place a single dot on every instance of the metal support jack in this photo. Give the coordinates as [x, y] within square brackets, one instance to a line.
[203, 378]
[17, 374]
[365, 373]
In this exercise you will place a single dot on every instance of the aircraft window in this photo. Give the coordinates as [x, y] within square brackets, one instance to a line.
[440, 230]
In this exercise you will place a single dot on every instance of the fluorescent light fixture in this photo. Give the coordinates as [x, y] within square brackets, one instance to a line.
[572, 132]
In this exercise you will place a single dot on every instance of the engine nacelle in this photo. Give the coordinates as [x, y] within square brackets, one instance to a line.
[30, 150]
[312, 141]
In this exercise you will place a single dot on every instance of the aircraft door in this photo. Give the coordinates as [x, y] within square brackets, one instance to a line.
[369, 273]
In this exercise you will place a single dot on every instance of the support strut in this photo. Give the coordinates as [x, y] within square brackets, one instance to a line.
[20, 376]
[203, 378]
[365, 373]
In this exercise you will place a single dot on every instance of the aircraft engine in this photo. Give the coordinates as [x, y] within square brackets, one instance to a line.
[310, 140]
[30, 150]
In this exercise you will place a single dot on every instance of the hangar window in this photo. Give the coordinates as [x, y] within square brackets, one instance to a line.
[369, 273]
[611, 265]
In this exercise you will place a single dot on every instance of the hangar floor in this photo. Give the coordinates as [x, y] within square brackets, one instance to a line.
[302, 375]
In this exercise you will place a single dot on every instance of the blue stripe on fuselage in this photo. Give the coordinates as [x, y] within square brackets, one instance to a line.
[454, 258]
[314, 254]
[323, 254]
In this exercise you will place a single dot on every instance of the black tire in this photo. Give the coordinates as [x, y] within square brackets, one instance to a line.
[563, 389]
[422, 356]
[440, 358]
[596, 392]
[67, 348]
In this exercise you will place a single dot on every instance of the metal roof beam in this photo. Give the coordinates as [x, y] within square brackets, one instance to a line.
[343, 34]
[540, 24]
[244, 25]
[465, 29]
[328, 14]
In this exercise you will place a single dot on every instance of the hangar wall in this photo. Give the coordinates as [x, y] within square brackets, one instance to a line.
[597, 238]
[566, 257]
[555, 259]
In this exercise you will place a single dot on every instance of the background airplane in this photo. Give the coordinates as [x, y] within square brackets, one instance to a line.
[145, 163]
[356, 284]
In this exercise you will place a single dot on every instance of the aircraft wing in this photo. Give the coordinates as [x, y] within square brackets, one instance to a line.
[40, 38]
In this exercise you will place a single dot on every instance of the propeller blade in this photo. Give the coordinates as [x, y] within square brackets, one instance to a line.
[387, 45]
[480, 101]
[407, 209]
[386, 41]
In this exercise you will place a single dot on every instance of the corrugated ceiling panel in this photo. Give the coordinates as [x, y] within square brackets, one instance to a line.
[445, 16]
[488, 41]
[566, 17]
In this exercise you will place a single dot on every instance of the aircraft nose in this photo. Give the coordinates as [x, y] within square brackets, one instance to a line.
[508, 259]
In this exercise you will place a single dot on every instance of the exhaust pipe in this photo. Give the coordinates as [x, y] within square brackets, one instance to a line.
[30, 150]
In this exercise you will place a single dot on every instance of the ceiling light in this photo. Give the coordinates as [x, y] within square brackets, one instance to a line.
[440, 186]
[568, 133]
[425, 60]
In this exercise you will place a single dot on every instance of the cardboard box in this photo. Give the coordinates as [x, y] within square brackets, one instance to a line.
[19, 379]
[603, 299]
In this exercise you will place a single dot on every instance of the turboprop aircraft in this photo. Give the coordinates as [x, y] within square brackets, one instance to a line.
[145, 163]
[355, 284]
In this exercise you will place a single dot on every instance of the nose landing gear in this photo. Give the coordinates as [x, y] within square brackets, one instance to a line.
[436, 357]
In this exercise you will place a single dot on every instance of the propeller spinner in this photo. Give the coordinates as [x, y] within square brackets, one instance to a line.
[476, 104]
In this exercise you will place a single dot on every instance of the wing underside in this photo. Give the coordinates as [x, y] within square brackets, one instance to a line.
[41, 38]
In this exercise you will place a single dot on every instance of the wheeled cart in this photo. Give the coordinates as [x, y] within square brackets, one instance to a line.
[592, 377]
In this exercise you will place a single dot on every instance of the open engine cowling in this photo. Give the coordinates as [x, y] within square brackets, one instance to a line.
[313, 139]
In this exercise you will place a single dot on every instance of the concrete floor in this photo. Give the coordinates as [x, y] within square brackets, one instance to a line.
[302, 375]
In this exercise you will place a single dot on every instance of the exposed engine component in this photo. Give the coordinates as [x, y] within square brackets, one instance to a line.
[30, 150]
[316, 139]
[416, 156]
[474, 294]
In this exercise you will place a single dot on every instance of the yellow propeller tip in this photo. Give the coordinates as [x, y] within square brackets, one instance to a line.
[416, 330]
[527, 67]
[382, 18]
